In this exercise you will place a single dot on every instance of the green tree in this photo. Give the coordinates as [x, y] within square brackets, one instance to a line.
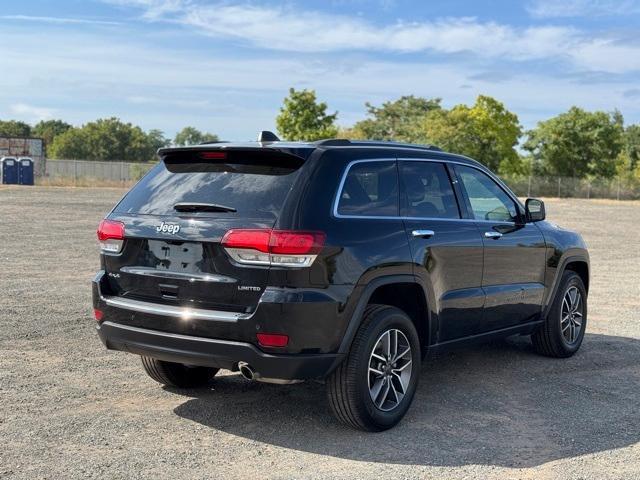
[578, 143]
[14, 128]
[303, 118]
[193, 136]
[486, 132]
[70, 145]
[106, 139]
[157, 139]
[632, 144]
[49, 129]
[399, 120]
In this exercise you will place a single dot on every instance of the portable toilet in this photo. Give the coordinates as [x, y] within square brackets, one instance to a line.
[9, 170]
[25, 171]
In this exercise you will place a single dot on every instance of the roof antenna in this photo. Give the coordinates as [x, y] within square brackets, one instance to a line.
[267, 136]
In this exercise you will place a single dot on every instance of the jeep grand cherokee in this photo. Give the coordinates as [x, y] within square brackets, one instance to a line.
[343, 261]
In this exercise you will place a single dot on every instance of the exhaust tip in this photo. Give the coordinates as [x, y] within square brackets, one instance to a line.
[246, 370]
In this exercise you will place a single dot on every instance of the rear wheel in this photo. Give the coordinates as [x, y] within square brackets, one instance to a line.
[373, 387]
[177, 374]
[563, 330]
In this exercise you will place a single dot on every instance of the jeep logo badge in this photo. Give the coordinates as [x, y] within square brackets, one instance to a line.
[171, 228]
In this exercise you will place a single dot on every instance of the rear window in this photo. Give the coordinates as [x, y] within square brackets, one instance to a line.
[251, 183]
[370, 189]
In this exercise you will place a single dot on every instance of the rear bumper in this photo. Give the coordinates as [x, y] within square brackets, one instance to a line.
[209, 352]
[222, 339]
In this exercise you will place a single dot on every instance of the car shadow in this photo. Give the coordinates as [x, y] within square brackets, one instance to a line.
[497, 404]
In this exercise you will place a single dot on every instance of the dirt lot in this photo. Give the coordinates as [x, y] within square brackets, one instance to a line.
[70, 409]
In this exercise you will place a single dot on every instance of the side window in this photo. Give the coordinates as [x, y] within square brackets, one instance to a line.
[370, 189]
[488, 201]
[427, 191]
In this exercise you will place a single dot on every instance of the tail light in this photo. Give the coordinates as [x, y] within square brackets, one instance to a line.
[272, 340]
[281, 248]
[213, 155]
[111, 236]
[98, 314]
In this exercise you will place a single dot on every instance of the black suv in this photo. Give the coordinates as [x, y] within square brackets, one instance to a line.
[343, 261]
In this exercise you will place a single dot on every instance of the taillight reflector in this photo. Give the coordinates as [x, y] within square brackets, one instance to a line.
[110, 236]
[285, 248]
[110, 229]
[98, 314]
[295, 243]
[272, 340]
[249, 239]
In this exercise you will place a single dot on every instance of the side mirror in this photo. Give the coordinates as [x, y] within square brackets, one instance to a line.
[535, 210]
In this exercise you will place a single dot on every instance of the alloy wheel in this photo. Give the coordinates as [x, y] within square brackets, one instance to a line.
[389, 370]
[571, 315]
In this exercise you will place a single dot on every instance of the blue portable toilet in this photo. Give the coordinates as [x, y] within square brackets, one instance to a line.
[10, 173]
[25, 171]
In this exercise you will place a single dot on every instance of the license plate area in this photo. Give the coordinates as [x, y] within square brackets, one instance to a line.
[186, 257]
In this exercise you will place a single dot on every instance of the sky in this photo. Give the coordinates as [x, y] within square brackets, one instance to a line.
[225, 66]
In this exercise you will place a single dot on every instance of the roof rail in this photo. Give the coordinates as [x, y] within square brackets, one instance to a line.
[343, 142]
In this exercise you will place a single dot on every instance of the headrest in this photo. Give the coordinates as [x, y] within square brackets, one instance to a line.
[415, 188]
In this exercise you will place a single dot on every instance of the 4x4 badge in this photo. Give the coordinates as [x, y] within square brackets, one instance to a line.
[171, 228]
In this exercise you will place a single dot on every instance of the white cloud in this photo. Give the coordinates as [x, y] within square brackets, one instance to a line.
[58, 20]
[582, 8]
[30, 112]
[83, 74]
[607, 56]
[304, 31]
[280, 28]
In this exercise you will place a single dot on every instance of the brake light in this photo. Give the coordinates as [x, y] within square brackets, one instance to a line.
[111, 236]
[98, 314]
[283, 248]
[272, 340]
[213, 155]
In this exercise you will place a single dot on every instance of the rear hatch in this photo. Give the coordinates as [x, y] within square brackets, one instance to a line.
[176, 216]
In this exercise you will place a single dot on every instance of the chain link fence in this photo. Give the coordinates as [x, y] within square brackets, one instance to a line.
[92, 173]
[568, 187]
[114, 174]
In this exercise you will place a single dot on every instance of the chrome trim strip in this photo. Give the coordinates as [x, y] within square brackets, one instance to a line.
[184, 313]
[191, 277]
[506, 189]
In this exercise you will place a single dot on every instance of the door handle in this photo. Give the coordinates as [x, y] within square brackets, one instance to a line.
[423, 233]
[494, 235]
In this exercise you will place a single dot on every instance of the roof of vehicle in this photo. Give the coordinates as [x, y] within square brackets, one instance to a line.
[304, 149]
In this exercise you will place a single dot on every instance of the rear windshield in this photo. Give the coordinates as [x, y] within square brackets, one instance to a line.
[251, 183]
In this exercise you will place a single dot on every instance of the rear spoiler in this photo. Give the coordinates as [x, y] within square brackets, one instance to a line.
[236, 149]
[220, 157]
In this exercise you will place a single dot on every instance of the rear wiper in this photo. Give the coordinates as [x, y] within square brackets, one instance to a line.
[202, 207]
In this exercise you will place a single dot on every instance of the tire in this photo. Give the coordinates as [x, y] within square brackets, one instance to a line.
[348, 387]
[176, 374]
[557, 337]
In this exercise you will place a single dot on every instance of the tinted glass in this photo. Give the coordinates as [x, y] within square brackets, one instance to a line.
[370, 189]
[488, 200]
[254, 186]
[428, 191]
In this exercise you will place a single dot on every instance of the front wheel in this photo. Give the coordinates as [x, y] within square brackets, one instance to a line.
[562, 332]
[373, 387]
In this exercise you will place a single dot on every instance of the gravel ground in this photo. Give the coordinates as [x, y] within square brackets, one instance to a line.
[70, 409]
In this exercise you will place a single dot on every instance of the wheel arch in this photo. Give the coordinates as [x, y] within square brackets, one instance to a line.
[575, 263]
[581, 267]
[401, 291]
